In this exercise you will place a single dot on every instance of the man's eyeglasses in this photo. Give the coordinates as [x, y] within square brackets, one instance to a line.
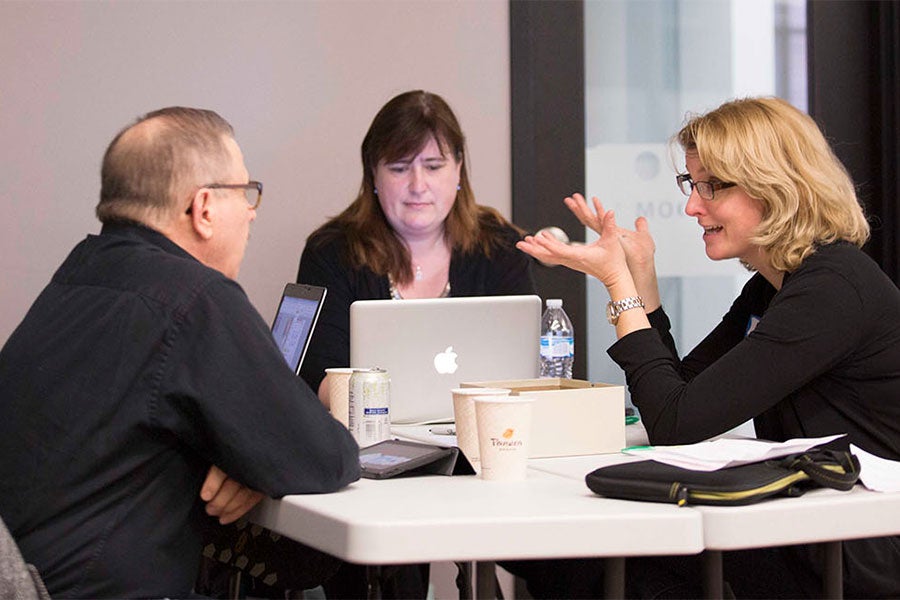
[706, 189]
[252, 190]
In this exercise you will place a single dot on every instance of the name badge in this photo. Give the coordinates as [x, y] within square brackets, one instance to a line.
[752, 322]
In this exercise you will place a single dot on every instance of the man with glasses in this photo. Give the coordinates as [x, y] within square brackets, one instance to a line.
[143, 396]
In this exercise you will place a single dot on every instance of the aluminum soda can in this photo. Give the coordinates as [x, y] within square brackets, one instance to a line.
[370, 406]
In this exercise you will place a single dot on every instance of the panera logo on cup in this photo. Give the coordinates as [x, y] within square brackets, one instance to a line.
[504, 424]
[507, 443]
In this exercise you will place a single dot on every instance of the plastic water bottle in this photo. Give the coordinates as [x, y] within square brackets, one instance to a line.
[557, 341]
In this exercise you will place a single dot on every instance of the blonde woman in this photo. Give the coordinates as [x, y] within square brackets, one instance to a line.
[810, 347]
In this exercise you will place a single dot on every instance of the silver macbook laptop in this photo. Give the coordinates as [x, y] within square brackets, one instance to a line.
[431, 346]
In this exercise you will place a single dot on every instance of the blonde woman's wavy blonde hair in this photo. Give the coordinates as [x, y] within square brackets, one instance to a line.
[778, 155]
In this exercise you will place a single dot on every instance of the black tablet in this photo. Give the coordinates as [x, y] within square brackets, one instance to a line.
[295, 320]
[392, 457]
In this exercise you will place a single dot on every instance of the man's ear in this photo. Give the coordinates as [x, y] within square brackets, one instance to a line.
[201, 213]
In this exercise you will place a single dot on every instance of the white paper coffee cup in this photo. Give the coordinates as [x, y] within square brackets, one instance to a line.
[504, 427]
[464, 417]
[339, 393]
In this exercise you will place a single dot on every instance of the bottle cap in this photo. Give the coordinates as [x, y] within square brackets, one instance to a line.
[554, 303]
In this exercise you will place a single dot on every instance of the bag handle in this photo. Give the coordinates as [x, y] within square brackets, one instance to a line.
[820, 467]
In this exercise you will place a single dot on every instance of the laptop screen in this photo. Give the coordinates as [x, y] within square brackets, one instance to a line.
[294, 322]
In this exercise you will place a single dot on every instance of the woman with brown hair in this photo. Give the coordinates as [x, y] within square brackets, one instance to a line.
[413, 231]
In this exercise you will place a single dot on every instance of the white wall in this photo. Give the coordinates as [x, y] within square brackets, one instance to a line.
[300, 82]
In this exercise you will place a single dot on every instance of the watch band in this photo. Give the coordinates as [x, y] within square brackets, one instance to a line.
[614, 309]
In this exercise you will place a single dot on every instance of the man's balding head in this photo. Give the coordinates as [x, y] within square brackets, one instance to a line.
[154, 164]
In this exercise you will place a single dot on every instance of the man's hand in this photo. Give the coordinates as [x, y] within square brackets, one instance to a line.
[226, 498]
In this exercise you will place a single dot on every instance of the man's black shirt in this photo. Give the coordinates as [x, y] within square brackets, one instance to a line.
[135, 370]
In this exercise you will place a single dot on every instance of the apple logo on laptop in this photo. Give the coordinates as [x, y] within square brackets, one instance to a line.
[445, 362]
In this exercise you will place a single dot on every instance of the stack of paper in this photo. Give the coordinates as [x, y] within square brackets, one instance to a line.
[876, 473]
[726, 452]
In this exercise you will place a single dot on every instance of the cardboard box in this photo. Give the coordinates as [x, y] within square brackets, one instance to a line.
[571, 417]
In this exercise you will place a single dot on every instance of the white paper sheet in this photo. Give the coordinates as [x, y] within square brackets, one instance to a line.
[876, 473]
[725, 452]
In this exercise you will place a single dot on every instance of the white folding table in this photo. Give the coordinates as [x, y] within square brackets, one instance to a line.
[820, 516]
[463, 518]
[553, 515]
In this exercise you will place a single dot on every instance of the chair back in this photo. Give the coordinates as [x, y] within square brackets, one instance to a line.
[18, 579]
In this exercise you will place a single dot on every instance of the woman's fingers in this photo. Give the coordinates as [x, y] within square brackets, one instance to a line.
[588, 217]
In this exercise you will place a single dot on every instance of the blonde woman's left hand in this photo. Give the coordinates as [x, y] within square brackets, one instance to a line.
[603, 258]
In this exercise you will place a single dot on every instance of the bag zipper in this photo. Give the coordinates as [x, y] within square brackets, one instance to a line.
[681, 493]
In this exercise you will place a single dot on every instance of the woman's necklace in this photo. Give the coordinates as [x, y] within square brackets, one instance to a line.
[418, 278]
[396, 295]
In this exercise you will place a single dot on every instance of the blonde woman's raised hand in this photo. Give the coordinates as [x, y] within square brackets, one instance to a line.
[604, 258]
[639, 249]
[638, 245]
[592, 219]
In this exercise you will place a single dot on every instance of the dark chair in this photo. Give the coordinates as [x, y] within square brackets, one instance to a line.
[18, 579]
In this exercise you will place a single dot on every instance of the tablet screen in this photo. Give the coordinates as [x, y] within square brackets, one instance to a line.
[391, 457]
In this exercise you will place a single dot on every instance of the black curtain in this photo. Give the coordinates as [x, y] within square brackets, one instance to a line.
[547, 99]
[854, 95]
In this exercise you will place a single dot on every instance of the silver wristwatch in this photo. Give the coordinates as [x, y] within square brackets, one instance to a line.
[614, 309]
